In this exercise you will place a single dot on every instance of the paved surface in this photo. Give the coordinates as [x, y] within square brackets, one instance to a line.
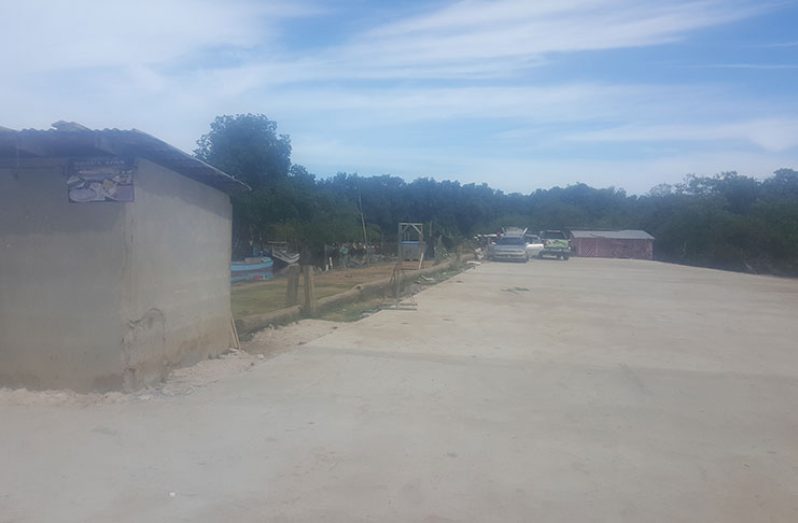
[588, 390]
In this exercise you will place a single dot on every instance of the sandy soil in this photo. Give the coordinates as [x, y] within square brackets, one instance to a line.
[276, 340]
[588, 390]
[183, 381]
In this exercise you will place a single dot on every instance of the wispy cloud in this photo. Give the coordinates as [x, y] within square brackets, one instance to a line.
[480, 34]
[47, 35]
[773, 134]
[755, 66]
[478, 38]
[464, 40]
[459, 88]
[525, 174]
[780, 44]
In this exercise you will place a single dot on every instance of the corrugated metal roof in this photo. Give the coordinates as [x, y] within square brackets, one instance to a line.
[624, 234]
[76, 141]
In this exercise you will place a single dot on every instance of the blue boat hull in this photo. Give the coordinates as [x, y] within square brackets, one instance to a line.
[260, 271]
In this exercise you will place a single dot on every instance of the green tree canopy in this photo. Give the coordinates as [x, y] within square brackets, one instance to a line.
[728, 221]
[248, 147]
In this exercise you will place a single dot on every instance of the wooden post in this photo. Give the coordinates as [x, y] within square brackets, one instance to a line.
[397, 282]
[399, 244]
[310, 291]
[434, 247]
[292, 290]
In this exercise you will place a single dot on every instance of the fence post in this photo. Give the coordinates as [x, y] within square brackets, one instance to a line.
[397, 282]
[311, 307]
[292, 290]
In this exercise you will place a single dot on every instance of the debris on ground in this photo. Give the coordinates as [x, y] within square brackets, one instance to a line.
[185, 380]
[516, 290]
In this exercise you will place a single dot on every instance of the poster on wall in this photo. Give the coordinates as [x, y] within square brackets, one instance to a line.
[101, 180]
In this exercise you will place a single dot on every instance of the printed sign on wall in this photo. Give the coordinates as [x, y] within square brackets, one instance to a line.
[101, 180]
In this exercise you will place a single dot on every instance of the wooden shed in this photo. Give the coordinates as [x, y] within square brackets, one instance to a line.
[626, 243]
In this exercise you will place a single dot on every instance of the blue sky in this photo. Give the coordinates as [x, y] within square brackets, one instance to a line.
[517, 94]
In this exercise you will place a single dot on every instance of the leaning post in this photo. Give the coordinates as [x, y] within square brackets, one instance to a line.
[311, 306]
[292, 290]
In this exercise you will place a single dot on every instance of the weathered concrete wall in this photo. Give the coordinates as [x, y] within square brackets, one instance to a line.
[99, 296]
[60, 284]
[176, 298]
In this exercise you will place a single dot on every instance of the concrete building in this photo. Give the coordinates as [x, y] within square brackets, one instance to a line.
[114, 258]
[613, 244]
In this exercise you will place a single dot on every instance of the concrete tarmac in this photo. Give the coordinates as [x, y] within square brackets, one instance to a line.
[587, 390]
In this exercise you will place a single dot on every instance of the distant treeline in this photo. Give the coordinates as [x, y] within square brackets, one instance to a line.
[728, 221]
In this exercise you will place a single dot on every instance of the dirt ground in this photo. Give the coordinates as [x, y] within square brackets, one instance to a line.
[587, 390]
[261, 297]
[183, 381]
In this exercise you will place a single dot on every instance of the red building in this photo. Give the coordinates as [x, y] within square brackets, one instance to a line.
[613, 244]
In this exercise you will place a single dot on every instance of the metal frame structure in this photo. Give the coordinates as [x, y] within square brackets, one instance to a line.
[408, 232]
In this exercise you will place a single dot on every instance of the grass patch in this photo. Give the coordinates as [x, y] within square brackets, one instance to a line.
[355, 311]
[262, 297]
[352, 312]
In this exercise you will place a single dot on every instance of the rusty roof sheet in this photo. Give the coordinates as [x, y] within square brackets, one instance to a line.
[623, 234]
[75, 141]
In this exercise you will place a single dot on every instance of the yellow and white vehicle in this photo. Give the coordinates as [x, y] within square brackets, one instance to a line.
[555, 244]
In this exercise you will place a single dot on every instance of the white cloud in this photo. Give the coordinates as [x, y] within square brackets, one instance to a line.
[465, 40]
[762, 67]
[475, 35]
[781, 44]
[51, 35]
[525, 173]
[772, 134]
[474, 66]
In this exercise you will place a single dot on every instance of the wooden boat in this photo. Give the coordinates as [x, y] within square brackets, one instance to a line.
[252, 269]
[285, 257]
[282, 255]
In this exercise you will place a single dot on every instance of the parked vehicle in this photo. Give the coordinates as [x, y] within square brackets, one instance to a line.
[555, 244]
[533, 245]
[508, 248]
[511, 246]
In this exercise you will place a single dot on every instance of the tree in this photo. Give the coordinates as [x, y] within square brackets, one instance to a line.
[248, 147]
[727, 221]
